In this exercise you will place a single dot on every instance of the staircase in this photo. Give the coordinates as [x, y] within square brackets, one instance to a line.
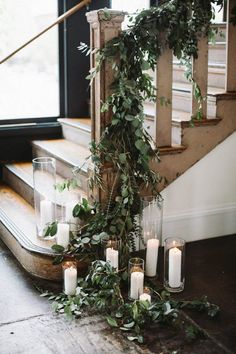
[180, 145]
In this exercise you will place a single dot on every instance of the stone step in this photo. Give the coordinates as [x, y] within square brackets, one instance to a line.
[76, 130]
[68, 155]
[19, 176]
[18, 232]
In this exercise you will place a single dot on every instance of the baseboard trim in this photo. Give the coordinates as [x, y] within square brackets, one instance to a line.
[193, 225]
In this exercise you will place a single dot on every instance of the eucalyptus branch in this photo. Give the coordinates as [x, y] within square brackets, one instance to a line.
[100, 290]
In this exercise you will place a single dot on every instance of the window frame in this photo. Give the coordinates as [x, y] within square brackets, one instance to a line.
[70, 102]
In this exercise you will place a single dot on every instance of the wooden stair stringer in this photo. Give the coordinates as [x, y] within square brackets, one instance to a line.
[18, 232]
[199, 141]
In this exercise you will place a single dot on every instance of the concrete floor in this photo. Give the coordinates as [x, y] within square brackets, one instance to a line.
[27, 324]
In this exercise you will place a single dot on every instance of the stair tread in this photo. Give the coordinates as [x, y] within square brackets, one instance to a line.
[173, 149]
[24, 171]
[71, 153]
[22, 227]
[82, 123]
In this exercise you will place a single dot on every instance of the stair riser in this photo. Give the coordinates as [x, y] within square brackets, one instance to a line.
[215, 78]
[25, 190]
[76, 135]
[64, 169]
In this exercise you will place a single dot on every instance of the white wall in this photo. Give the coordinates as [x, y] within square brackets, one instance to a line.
[202, 202]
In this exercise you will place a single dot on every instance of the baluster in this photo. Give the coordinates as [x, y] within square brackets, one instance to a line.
[200, 75]
[163, 116]
[230, 84]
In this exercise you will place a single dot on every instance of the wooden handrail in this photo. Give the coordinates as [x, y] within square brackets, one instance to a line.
[58, 20]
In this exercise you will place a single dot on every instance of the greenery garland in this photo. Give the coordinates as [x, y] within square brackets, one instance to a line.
[125, 144]
[101, 291]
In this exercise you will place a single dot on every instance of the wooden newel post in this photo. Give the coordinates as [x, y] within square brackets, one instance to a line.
[104, 25]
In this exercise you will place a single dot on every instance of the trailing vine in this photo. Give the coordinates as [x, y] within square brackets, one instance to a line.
[125, 146]
[101, 291]
[128, 148]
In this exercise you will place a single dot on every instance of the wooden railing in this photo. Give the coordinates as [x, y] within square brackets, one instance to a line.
[102, 30]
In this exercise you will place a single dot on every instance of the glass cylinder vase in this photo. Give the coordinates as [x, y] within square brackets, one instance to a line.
[135, 277]
[174, 260]
[44, 176]
[66, 202]
[151, 219]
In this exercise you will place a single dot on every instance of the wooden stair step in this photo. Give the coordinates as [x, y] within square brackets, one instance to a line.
[77, 130]
[19, 176]
[68, 155]
[171, 150]
[18, 232]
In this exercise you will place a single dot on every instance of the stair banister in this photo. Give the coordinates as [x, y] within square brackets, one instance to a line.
[58, 20]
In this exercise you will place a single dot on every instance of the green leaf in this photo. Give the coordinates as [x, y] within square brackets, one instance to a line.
[115, 121]
[139, 144]
[53, 229]
[58, 248]
[58, 260]
[135, 311]
[129, 118]
[122, 158]
[145, 65]
[111, 321]
[85, 240]
[129, 325]
[132, 338]
[55, 306]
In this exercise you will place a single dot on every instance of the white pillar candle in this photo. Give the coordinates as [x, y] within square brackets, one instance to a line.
[112, 256]
[46, 213]
[175, 256]
[136, 284]
[63, 235]
[151, 257]
[69, 206]
[70, 281]
[145, 297]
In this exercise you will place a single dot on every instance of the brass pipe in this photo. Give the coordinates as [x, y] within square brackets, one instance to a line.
[58, 20]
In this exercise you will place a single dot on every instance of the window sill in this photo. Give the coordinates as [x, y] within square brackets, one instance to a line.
[27, 129]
